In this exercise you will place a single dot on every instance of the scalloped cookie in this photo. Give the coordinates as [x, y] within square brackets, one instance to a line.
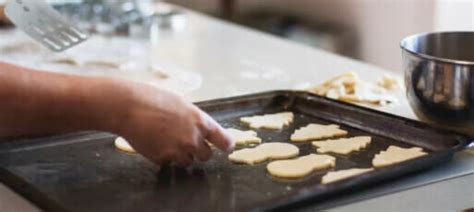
[242, 137]
[317, 131]
[395, 154]
[274, 121]
[343, 146]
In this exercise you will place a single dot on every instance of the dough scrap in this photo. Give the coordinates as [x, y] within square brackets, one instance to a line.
[269, 121]
[263, 152]
[349, 88]
[343, 146]
[343, 174]
[317, 131]
[243, 137]
[300, 167]
[122, 144]
[395, 154]
[390, 82]
[344, 81]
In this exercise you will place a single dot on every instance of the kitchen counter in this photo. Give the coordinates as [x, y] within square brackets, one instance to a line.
[233, 60]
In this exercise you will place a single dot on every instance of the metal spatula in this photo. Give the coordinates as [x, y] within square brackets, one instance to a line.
[42, 23]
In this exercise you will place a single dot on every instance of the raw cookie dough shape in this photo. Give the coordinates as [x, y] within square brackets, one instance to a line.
[343, 146]
[243, 137]
[317, 131]
[263, 152]
[343, 174]
[300, 167]
[274, 121]
[395, 154]
[123, 145]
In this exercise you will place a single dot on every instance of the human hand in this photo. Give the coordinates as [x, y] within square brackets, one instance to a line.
[158, 124]
[164, 128]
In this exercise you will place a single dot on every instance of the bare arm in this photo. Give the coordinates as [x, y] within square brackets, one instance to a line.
[158, 124]
[36, 102]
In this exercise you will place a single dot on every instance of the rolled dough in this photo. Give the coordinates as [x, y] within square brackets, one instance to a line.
[343, 146]
[317, 131]
[343, 174]
[263, 152]
[395, 154]
[243, 137]
[269, 121]
[300, 167]
[122, 144]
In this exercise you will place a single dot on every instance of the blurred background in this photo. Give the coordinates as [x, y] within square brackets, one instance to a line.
[369, 30]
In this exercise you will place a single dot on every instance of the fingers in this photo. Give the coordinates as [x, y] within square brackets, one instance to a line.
[162, 162]
[203, 151]
[163, 159]
[217, 135]
[183, 160]
[182, 147]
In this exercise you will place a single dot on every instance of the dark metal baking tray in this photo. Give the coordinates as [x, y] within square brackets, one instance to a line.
[84, 172]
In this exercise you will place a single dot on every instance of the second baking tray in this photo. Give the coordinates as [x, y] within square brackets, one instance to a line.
[86, 172]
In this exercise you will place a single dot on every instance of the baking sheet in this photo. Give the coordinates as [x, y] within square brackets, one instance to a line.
[86, 173]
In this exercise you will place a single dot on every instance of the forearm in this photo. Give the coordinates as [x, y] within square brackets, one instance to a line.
[36, 102]
[160, 125]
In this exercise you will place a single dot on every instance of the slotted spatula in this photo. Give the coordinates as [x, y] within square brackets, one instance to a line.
[45, 25]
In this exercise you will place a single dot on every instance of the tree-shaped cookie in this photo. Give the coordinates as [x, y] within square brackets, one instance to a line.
[317, 131]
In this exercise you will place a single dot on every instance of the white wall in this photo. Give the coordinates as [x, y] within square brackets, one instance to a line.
[454, 15]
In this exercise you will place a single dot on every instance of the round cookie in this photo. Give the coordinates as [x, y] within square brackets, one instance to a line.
[300, 167]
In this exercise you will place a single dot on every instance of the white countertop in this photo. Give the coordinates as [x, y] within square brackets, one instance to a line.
[233, 60]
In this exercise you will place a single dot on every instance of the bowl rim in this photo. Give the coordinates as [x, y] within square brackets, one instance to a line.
[430, 57]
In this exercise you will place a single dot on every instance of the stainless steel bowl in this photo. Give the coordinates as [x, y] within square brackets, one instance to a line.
[439, 77]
